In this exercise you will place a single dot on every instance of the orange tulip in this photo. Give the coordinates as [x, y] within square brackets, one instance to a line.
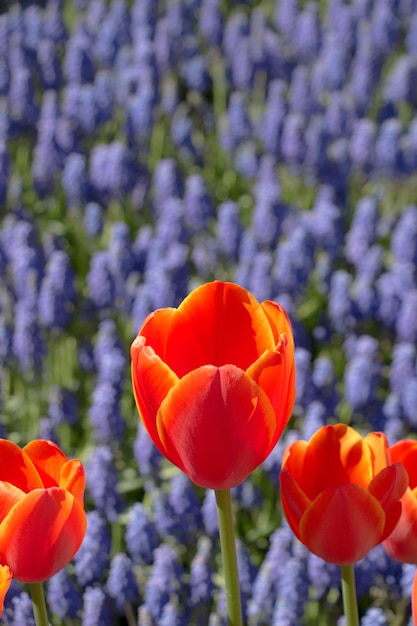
[402, 542]
[42, 517]
[214, 382]
[340, 495]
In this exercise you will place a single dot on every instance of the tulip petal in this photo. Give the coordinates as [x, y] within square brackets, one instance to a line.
[389, 485]
[293, 458]
[405, 451]
[17, 468]
[279, 322]
[48, 460]
[156, 328]
[392, 517]
[41, 534]
[401, 543]
[164, 331]
[9, 495]
[379, 451]
[275, 374]
[72, 478]
[152, 379]
[5, 580]
[291, 387]
[217, 323]
[342, 524]
[294, 501]
[217, 425]
[340, 448]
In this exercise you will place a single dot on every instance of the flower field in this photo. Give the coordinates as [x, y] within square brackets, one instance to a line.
[148, 147]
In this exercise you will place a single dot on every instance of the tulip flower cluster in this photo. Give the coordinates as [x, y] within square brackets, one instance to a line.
[214, 383]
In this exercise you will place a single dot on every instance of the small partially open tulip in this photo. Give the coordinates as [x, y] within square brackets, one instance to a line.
[42, 517]
[340, 495]
[214, 382]
[402, 542]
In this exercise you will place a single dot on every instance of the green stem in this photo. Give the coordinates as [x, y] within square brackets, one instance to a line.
[350, 603]
[38, 603]
[229, 556]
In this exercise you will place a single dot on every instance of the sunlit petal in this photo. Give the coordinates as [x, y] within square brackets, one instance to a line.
[379, 450]
[272, 372]
[279, 322]
[72, 478]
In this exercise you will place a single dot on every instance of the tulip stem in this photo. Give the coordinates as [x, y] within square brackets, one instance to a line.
[350, 603]
[38, 603]
[229, 556]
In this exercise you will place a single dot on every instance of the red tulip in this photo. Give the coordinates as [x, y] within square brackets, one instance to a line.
[42, 517]
[402, 542]
[214, 382]
[339, 493]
